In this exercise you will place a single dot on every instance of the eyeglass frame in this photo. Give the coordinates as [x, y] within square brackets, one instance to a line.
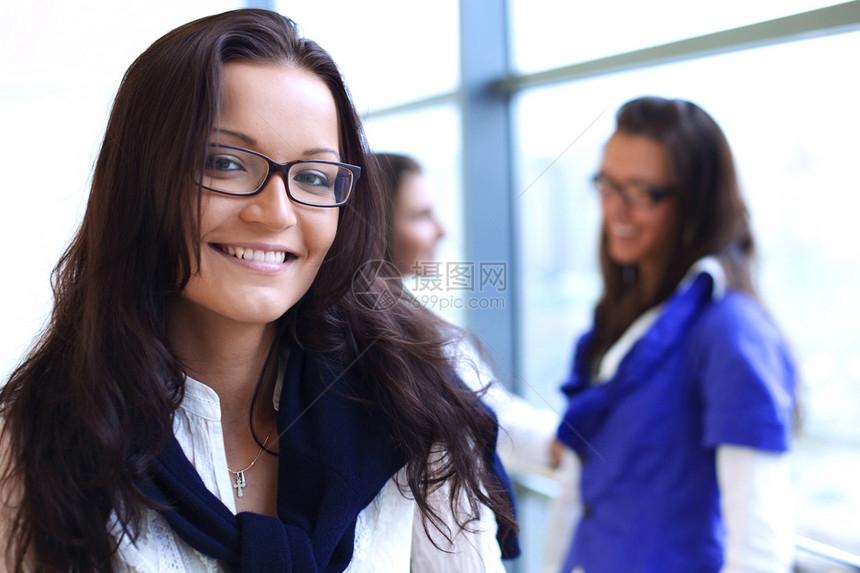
[284, 170]
[655, 194]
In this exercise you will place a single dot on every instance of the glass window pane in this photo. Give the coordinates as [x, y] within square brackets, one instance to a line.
[58, 42]
[62, 65]
[432, 137]
[389, 51]
[793, 130]
[548, 34]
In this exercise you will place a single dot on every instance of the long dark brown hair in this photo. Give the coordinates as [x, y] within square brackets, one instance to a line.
[92, 404]
[713, 218]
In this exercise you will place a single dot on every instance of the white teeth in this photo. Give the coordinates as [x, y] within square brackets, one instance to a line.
[255, 255]
[623, 230]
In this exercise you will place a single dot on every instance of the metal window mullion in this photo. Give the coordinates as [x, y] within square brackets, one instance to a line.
[841, 18]
[836, 19]
[487, 184]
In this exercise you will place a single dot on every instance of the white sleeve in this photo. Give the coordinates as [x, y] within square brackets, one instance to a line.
[472, 550]
[525, 432]
[756, 505]
[565, 511]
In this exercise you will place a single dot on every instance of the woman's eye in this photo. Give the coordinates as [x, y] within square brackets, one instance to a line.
[312, 178]
[223, 164]
[638, 193]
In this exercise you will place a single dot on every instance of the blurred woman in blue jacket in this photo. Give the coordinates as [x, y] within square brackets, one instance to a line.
[681, 395]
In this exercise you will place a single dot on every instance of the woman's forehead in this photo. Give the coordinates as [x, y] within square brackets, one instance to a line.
[279, 109]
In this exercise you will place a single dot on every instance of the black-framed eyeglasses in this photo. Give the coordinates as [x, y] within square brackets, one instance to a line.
[238, 171]
[638, 195]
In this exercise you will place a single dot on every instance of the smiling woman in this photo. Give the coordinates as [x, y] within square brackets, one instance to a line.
[300, 124]
[639, 222]
[213, 390]
[681, 394]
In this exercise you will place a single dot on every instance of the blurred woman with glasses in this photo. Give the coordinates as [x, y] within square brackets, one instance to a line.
[215, 390]
[681, 395]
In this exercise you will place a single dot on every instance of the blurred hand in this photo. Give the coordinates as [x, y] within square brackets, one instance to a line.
[556, 451]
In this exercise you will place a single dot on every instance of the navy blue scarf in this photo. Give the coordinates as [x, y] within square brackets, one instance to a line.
[336, 454]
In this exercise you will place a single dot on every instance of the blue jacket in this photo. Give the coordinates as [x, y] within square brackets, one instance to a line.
[708, 372]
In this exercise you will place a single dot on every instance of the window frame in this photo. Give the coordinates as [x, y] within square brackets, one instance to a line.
[487, 88]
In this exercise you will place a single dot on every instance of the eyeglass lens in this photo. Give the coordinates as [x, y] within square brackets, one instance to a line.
[240, 172]
[638, 195]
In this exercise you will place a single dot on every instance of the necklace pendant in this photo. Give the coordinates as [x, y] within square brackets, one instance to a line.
[240, 483]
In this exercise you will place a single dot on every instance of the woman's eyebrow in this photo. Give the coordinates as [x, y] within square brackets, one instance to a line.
[319, 150]
[246, 138]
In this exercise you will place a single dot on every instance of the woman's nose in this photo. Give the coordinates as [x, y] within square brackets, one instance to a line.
[441, 231]
[272, 206]
[614, 204]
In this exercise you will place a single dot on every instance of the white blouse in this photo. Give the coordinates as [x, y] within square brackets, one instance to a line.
[389, 533]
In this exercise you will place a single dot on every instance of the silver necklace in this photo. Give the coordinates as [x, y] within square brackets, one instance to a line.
[241, 483]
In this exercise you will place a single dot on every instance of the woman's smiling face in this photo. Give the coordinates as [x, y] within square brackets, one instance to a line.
[260, 254]
[638, 236]
[417, 230]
